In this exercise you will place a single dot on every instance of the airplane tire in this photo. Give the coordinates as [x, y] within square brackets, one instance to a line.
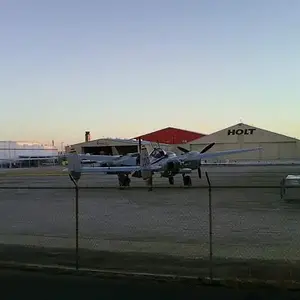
[171, 180]
[127, 181]
[187, 181]
[124, 180]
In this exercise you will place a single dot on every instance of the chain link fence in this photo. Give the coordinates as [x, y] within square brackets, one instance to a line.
[210, 231]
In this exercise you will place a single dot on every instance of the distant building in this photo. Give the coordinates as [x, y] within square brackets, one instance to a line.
[167, 138]
[11, 150]
[274, 146]
[109, 146]
[171, 135]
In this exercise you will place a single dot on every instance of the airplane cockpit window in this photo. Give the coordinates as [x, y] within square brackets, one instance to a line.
[158, 153]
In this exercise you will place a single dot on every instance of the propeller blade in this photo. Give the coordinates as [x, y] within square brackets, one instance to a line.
[199, 172]
[207, 148]
[183, 149]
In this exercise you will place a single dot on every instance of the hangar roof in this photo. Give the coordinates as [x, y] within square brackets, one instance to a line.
[248, 133]
[171, 135]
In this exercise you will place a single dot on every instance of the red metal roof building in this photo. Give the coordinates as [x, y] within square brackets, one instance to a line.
[171, 135]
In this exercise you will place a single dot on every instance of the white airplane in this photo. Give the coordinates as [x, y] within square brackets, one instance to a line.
[116, 160]
[167, 163]
[99, 158]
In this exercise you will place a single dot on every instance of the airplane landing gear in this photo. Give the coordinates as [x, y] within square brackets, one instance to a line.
[150, 183]
[124, 180]
[171, 180]
[187, 181]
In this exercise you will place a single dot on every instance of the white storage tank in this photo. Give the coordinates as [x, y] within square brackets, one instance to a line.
[10, 150]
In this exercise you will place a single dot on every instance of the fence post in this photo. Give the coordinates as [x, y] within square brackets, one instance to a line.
[76, 220]
[210, 228]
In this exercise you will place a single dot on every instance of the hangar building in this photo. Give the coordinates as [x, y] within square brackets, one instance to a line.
[171, 136]
[107, 145]
[274, 146]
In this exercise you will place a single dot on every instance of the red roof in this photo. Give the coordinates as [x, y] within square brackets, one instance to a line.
[171, 135]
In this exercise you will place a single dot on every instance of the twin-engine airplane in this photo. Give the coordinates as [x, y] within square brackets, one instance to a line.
[131, 159]
[167, 163]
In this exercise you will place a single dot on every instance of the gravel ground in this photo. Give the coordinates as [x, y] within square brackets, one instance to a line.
[249, 224]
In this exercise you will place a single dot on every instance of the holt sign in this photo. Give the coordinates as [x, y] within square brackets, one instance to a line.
[248, 131]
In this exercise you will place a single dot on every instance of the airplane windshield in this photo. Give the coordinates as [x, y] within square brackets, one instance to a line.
[158, 153]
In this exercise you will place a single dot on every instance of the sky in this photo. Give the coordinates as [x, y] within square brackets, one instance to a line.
[120, 68]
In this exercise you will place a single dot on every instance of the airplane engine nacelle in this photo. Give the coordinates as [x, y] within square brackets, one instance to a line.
[173, 166]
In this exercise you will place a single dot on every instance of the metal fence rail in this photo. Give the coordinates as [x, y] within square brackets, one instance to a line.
[231, 231]
[212, 187]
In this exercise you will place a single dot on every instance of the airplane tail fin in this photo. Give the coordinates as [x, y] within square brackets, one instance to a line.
[74, 164]
[145, 163]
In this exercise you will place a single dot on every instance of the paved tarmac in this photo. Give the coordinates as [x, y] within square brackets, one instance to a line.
[247, 222]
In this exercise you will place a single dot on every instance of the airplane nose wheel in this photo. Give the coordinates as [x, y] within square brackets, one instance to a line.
[171, 180]
[187, 181]
[124, 180]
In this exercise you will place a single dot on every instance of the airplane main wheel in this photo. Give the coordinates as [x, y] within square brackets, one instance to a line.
[171, 180]
[124, 180]
[127, 181]
[150, 183]
[187, 181]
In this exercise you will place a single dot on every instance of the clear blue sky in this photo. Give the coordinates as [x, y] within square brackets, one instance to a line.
[127, 67]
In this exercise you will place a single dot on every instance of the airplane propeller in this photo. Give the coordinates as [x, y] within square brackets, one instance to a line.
[183, 149]
[205, 149]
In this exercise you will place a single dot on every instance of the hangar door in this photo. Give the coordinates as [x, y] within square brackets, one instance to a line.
[283, 150]
[270, 151]
[255, 155]
[288, 150]
[245, 156]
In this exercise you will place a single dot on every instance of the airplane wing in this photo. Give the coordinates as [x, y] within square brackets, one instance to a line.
[221, 153]
[98, 157]
[119, 170]
[127, 169]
